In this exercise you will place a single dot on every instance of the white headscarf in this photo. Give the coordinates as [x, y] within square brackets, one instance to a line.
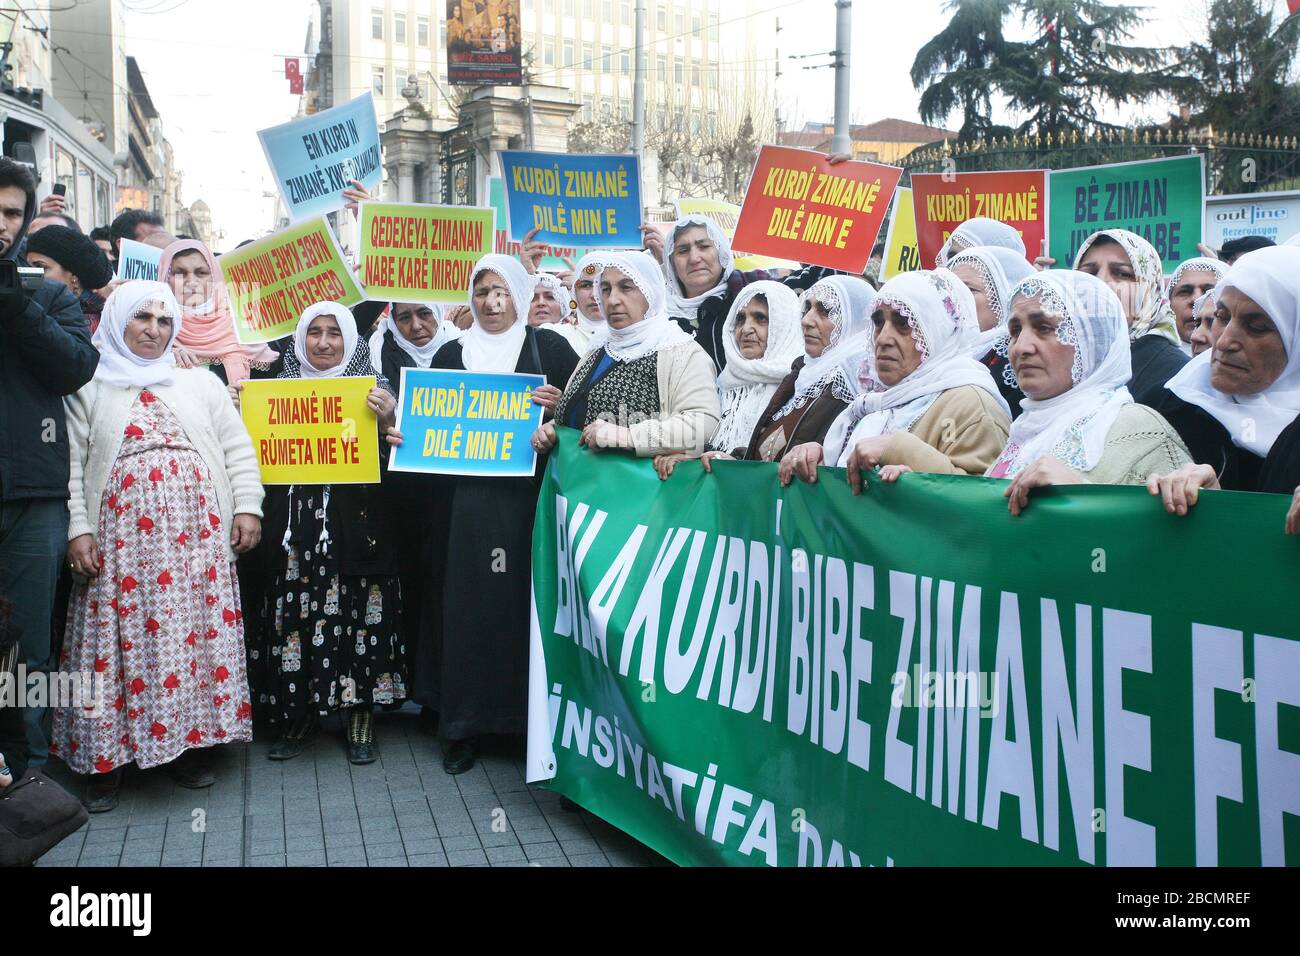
[1198, 264]
[483, 351]
[1270, 276]
[746, 385]
[680, 305]
[942, 323]
[348, 328]
[847, 301]
[422, 354]
[654, 332]
[558, 291]
[1073, 426]
[1154, 316]
[118, 365]
[588, 270]
[1000, 269]
[981, 231]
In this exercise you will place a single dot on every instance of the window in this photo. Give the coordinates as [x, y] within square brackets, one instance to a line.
[695, 24]
[568, 8]
[661, 19]
[625, 111]
[661, 68]
[713, 28]
[695, 76]
[588, 58]
[607, 11]
[679, 22]
[377, 80]
[422, 31]
[588, 109]
[605, 64]
[606, 108]
[442, 35]
[377, 24]
[588, 9]
[625, 62]
[679, 72]
[399, 28]
[548, 53]
[568, 53]
[625, 13]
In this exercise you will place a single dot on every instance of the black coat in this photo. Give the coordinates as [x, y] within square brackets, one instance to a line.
[1281, 471]
[45, 354]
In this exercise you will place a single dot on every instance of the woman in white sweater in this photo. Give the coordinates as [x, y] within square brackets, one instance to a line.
[646, 386]
[164, 490]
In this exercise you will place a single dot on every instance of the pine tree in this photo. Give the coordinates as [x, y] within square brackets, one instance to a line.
[962, 64]
[1081, 60]
[1246, 70]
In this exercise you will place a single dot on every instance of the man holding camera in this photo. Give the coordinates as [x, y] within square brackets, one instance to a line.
[45, 353]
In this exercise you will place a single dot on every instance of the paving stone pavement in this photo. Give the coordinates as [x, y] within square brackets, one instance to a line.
[319, 810]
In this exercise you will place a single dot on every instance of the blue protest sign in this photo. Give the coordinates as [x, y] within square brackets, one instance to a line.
[474, 424]
[313, 159]
[588, 200]
[138, 260]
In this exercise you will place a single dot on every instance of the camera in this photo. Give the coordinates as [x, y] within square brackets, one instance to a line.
[16, 284]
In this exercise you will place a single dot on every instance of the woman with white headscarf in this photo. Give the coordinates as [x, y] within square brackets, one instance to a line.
[409, 335]
[1204, 331]
[649, 387]
[1131, 267]
[1249, 382]
[552, 307]
[586, 310]
[980, 231]
[1069, 347]
[472, 665]
[762, 337]
[702, 279]
[822, 381]
[333, 613]
[990, 273]
[1192, 279]
[926, 405]
[164, 490]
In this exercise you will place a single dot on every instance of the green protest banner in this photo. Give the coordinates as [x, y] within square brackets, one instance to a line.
[1162, 200]
[271, 282]
[413, 252]
[739, 674]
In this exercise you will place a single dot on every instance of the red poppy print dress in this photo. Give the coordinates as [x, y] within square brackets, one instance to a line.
[161, 624]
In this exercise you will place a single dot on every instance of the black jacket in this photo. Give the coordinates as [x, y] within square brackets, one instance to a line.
[45, 354]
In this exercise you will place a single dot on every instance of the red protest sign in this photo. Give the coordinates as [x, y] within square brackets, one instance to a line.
[943, 201]
[800, 207]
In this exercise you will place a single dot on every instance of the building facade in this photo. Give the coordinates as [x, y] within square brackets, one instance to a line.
[38, 129]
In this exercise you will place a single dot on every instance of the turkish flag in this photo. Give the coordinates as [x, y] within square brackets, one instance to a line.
[291, 68]
[1293, 5]
[295, 82]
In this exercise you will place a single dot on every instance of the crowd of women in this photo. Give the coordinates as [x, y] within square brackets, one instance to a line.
[214, 605]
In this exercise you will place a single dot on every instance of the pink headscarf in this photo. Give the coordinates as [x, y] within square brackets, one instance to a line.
[208, 331]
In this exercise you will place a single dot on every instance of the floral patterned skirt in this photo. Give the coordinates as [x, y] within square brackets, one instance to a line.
[335, 640]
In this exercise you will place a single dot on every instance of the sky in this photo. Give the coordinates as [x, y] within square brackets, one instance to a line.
[217, 79]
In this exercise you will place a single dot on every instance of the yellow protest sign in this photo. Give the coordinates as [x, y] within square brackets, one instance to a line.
[725, 214]
[314, 431]
[901, 253]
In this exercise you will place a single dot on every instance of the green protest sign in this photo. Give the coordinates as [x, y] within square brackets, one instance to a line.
[271, 282]
[739, 674]
[1162, 200]
[412, 252]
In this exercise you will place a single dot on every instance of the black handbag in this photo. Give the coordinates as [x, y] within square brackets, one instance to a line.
[36, 814]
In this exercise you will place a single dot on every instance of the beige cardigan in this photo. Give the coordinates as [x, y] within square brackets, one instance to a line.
[688, 398]
[98, 415]
[962, 433]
